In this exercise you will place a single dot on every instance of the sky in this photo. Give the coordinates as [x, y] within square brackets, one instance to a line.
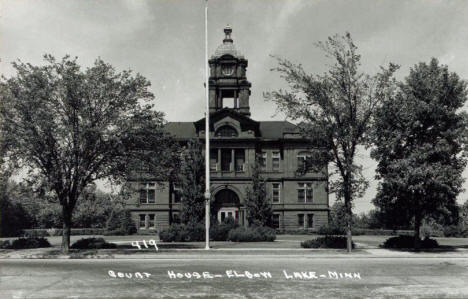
[164, 41]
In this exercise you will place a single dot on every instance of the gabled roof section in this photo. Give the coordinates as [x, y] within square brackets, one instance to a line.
[262, 129]
[246, 123]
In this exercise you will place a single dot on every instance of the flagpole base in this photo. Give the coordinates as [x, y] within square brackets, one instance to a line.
[207, 219]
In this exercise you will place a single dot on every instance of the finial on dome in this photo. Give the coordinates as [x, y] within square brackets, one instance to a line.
[227, 31]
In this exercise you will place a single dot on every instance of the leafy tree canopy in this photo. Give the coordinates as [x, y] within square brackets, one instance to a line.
[257, 201]
[71, 127]
[336, 109]
[420, 137]
[191, 179]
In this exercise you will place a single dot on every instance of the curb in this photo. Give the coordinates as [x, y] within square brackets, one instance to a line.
[237, 253]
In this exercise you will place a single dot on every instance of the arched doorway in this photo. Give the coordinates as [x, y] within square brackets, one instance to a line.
[226, 204]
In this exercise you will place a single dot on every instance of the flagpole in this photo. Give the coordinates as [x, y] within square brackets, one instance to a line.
[207, 139]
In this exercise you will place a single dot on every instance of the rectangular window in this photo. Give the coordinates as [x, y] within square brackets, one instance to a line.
[147, 193]
[175, 218]
[214, 160]
[275, 161]
[151, 222]
[142, 195]
[300, 220]
[226, 156]
[239, 155]
[263, 160]
[151, 196]
[303, 158]
[276, 221]
[276, 192]
[301, 193]
[177, 194]
[310, 220]
[142, 221]
[309, 193]
[304, 192]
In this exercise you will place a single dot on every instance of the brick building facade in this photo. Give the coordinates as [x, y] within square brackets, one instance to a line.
[299, 201]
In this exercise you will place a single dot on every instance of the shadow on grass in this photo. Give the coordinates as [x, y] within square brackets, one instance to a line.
[440, 249]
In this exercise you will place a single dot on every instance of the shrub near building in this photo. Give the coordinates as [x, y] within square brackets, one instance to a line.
[191, 232]
[92, 243]
[228, 230]
[25, 243]
[406, 242]
[337, 242]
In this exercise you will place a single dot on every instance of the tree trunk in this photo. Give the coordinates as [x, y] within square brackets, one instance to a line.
[66, 230]
[417, 226]
[349, 219]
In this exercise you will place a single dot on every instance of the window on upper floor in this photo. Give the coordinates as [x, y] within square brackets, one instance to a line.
[304, 192]
[276, 192]
[226, 159]
[275, 160]
[263, 160]
[147, 193]
[239, 159]
[226, 131]
[214, 159]
[302, 158]
[177, 193]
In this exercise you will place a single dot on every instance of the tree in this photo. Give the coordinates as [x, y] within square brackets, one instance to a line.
[369, 220]
[13, 217]
[338, 216]
[94, 209]
[257, 202]
[192, 181]
[419, 137]
[335, 109]
[71, 127]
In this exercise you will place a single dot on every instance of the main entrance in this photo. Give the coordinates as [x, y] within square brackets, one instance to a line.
[226, 205]
[224, 213]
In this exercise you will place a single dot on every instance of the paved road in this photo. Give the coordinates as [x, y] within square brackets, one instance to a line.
[365, 278]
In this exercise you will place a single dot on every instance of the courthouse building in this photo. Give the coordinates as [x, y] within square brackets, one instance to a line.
[299, 200]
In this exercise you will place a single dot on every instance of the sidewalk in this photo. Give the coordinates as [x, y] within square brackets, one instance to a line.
[224, 253]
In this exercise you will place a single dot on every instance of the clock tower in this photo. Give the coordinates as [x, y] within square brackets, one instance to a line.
[228, 83]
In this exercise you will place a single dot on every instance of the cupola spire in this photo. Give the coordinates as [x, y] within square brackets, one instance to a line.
[227, 31]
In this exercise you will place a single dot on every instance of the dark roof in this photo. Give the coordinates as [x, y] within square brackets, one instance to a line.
[276, 129]
[268, 129]
[181, 129]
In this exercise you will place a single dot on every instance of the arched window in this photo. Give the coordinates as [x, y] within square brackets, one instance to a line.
[226, 131]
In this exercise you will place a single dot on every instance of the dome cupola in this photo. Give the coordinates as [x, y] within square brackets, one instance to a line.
[227, 47]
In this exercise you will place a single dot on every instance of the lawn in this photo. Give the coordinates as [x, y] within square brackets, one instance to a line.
[282, 241]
